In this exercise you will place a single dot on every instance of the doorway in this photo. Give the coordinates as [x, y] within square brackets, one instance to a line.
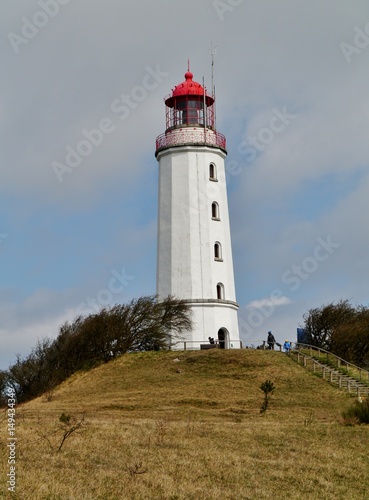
[223, 338]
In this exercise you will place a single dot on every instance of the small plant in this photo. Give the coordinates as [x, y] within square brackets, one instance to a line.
[190, 427]
[309, 420]
[268, 388]
[69, 425]
[358, 413]
[49, 395]
[135, 469]
[161, 430]
[56, 437]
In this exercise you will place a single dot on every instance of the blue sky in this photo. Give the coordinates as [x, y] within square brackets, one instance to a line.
[291, 76]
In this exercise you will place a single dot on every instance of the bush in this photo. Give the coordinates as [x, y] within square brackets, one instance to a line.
[358, 413]
[268, 388]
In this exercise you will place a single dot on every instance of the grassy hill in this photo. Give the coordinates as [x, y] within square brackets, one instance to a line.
[156, 428]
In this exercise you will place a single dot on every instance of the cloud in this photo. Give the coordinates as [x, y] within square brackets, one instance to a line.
[268, 302]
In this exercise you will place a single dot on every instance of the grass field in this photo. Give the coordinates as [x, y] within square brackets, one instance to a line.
[156, 428]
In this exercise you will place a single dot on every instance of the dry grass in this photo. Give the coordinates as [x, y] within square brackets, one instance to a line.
[159, 429]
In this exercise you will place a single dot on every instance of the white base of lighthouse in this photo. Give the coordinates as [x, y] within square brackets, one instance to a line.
[207, 318]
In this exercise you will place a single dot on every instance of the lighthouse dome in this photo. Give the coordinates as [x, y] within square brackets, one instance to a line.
[188, 88]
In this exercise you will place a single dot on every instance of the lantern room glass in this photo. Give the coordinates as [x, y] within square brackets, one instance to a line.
[189, 111]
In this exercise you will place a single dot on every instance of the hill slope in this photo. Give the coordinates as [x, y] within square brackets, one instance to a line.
[157, 428]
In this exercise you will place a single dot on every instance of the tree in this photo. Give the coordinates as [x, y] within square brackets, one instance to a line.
[350, 340]
[3, 384]
[143, 324]
[321, 322]
[32, 375]
[342, 329]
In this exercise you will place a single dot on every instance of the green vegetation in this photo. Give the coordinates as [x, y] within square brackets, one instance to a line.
[156, 428]
[340, 328]
[268, 388]
[358, 413]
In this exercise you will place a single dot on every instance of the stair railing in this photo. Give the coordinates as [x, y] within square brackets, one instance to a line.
[343, 381]
[339, 362]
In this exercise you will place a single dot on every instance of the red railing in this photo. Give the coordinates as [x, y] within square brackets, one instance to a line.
[189, 135]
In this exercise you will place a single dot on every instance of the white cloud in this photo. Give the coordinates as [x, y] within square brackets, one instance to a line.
[268, 302]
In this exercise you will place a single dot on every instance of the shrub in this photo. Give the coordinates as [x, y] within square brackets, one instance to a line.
[268, 388]
[358, 413]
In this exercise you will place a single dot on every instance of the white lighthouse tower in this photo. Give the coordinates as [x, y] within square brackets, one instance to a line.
[194, 242]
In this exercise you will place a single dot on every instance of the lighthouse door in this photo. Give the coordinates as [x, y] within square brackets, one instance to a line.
[223, 338]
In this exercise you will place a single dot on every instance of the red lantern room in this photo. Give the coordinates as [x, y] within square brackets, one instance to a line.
[190, 117]
[185, 107]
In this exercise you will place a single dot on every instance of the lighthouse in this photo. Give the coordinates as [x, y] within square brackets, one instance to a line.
[194, 256]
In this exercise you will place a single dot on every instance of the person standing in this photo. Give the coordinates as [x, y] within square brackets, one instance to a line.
[271, 340]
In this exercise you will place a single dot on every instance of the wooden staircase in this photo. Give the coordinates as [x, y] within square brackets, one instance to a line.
[333, 369]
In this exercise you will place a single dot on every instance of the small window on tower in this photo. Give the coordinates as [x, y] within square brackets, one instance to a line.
[212, 172]
[220, 291]
[218, 251]
[215, 211]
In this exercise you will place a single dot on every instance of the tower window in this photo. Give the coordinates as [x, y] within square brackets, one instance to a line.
[217, 251]
[215, 210]
[220, 291]
[212, 172]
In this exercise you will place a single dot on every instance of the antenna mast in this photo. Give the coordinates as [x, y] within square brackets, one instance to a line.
[212, 52]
